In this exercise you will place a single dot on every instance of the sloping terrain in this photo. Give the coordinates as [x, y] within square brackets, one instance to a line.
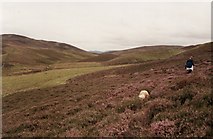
[21, 50]
[136, 55]
[42, 79]
[106, 103]
[101, 58]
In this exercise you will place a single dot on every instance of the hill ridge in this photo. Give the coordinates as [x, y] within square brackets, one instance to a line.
[21, 51]
[17, 36]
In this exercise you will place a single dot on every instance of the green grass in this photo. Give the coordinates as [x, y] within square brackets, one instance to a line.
[20, 68]
[12, 84]
[75, 65]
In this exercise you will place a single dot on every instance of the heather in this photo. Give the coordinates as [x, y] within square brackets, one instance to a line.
[106, 103]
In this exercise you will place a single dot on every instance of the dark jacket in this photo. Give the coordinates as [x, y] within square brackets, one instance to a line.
[189, 63]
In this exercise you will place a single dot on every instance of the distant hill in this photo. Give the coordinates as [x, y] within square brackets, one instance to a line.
[101, 58]
[136, 55]
[22, 50]
[200, 51]
[96, 52]
[201, 54]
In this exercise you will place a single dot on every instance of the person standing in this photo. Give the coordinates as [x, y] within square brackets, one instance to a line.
[189, 66]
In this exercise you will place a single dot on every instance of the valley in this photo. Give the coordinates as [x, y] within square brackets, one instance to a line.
[96, 95]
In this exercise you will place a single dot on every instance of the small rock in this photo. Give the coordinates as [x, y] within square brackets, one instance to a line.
[143, 94]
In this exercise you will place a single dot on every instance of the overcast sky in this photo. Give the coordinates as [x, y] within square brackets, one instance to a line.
[110, 26]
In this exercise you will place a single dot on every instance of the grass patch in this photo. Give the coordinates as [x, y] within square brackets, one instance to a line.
[12, 84]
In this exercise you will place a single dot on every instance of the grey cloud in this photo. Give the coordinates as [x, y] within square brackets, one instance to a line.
[109, 26]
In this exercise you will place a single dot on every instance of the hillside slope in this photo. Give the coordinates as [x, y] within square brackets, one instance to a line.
[136, 55]
[21, 50]
[106, 103]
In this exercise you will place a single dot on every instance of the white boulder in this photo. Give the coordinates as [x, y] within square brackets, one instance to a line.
[143, 94]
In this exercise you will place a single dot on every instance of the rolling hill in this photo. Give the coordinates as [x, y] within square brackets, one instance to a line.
[106, 103]
[21, 50]
[136, 55]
